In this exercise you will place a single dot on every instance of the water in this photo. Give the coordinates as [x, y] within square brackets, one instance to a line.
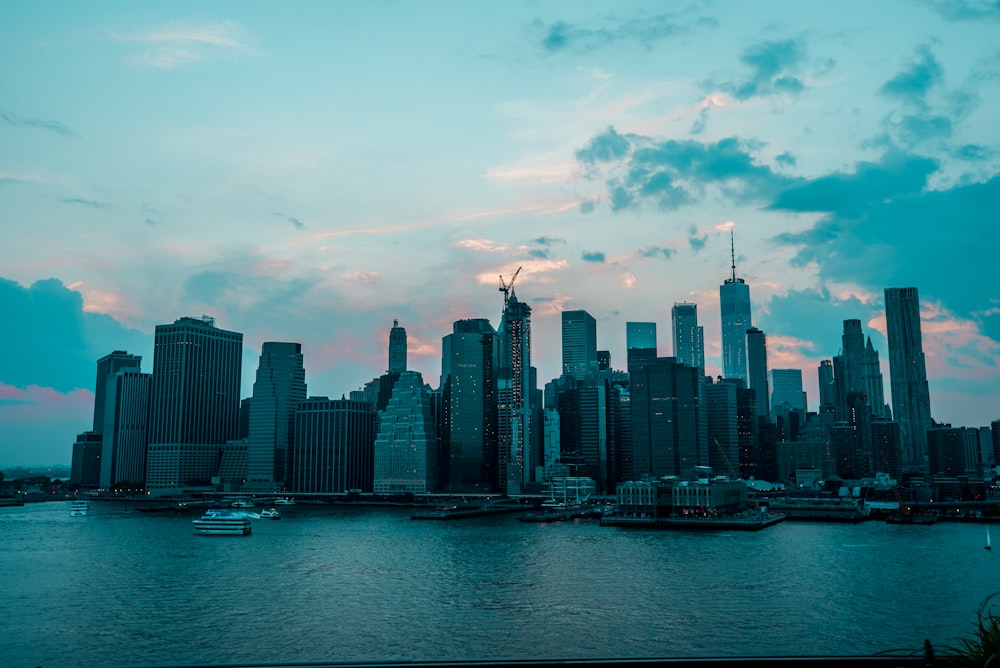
[121, 588]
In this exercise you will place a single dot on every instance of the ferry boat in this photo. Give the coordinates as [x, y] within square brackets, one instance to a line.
[221, 523]
[78, 507]
[285, 502]
[270, 514]
[820, 509]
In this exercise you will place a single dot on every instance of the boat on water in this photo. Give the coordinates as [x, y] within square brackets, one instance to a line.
[221, 522]
[270, 514]
[988, 546]
[285, 502]
[242, 503]
[903, 518]
[78, 507]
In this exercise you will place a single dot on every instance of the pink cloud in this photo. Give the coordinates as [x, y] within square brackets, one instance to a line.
[34, 403]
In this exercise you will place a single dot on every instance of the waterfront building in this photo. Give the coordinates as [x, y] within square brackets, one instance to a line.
[747, 430]
[406, 445]
[667, 429]
[126, 416]
[583, 428]
[670, 497]
[911, 404]
[107, 366]
[734, 302]
[689, 336]
[887, 447]
[334, 443]
[723, 427]
[640, 342]
[827, 385]
[579, 344]
[85, 466]
[946, 451]
[514, 392]
[280, 385]
[469, 406]
[757, 370]
[397, 348]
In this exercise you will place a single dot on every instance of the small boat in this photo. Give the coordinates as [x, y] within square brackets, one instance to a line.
[988, 546]
[220, 522]
[285, 502]
[78, 507]
[270, 514]
[242, 503]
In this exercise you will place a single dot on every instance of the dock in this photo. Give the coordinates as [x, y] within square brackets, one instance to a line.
[695, 524]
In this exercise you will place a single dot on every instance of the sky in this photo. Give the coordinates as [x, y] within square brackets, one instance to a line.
[311, 171]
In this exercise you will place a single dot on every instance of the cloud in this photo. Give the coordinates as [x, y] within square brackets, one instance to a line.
[482, 245]
[151, 222]
[913, 83]
[539, 253]
[774, 69]
[786, 159]
[93, 204]
[592, 257]
[26, 122]
[966, 10]
[560, 36]
[657, 251]
[605, 147]
[696, 241]
[548, 241]
[183, 43]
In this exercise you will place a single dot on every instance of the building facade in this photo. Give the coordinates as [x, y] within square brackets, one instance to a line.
[911, 403]
[278, 388]
[406, 443]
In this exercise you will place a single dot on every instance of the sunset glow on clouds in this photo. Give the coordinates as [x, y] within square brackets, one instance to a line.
[312, 174]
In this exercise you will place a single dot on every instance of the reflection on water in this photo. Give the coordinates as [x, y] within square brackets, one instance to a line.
[120, 588]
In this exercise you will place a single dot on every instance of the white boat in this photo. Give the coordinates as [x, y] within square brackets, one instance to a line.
[270, 514]
[242, 503]
[78, 507]
[221, 523]
[284, 502]
[988, 545]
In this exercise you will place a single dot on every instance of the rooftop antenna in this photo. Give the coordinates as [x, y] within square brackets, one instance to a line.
[732, 250]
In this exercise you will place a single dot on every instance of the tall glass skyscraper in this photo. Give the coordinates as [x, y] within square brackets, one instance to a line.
[734, 301]
[514, 396]
[911, 402]
[579, 344]
[757, 369]
[108, 366]
[640, 342]
[279, 387]
[689, 337]
[397, 348]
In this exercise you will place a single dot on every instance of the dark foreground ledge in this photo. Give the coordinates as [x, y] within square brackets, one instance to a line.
[880, 661]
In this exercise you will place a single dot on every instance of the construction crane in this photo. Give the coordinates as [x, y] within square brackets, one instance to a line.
[507, 288]
[725, 458]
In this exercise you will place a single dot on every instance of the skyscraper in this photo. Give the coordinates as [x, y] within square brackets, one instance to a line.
[406, 445]
[108, 366]
[786, 391]
[334, 442]
[723, 428]
[397, 348]
[123, 447]
[579, 344]
[194, 401]
[469, 406]
[640, 341]
[689, 336]
[826, 384]
[911, 403]
[514, 396]
[734, 301]
[757, 369]
[874, 387]
[279, 386]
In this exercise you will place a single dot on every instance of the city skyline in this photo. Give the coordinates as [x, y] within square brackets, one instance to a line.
[311, 178]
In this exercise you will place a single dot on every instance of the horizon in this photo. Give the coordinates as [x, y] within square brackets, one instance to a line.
[312, 173]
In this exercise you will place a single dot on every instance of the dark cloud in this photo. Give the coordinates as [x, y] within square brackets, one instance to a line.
[151, 222]
[560, 36]
[695, 241]
[786, 159]
[657, 251]
[539, 253]
[966, 10]
[813, 316]
[973, 153]
[592, 257]
[87, 202]
[57, 343]
[674, 173]
[913, 83]
[699, 122]
[587, 206]
[774, 69]
[21, 121]
[299, 225]
[548, 241]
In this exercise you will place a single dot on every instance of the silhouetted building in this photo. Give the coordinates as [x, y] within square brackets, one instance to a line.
[579, 344]
[397, 348]
[334, 446]
[406, 445]
[946, 451]
[734, 301]
[280, 385]
[603, 360]
[827, 387]
[514, 392]
[469, 406]
[85, 467]
[108, 366]
[126, 416]
[887, 447]
[874, 387]
[667, 436]
[757, 370]
[723, 428]
[689, 336]
[640, 342]
[911, 403]
[786, 391]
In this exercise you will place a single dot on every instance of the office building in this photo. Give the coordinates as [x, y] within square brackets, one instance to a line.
[734, 302]
[911, 403]
[397, 348]
[108, 366]
[786, 391]
[689, 336]
[874, 387]
[334, 446]
[757, 370]
[406, 443]
[640, 342]
[469, 406]
[514, 391]
[279, 386]
[723, 428]
[85, 466]
[126, 416]
[579, 344]
[827, 385]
